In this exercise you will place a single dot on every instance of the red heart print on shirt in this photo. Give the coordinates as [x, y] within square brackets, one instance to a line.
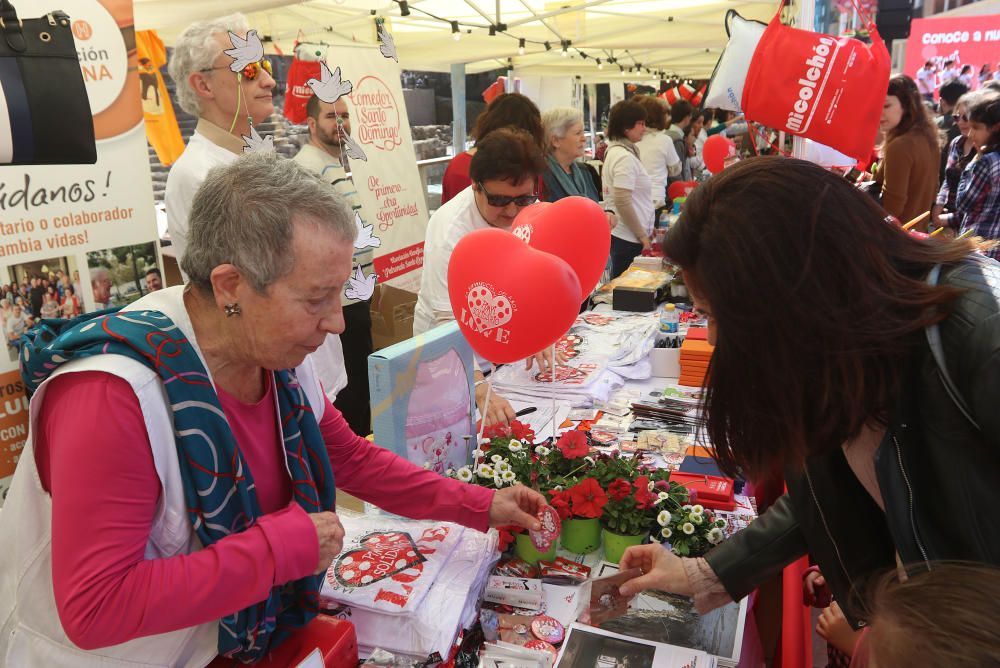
[381, 555]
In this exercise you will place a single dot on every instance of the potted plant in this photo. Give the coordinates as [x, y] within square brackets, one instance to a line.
[690, 530]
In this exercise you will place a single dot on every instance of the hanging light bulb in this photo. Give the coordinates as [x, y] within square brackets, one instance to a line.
[600, 65]
[565, 51]
[455, 32]
[520, 47]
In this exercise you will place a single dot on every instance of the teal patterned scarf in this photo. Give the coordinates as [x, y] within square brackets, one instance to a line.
[218, 486]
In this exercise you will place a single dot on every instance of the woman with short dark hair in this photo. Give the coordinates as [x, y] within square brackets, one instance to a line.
[850, 356]
[656, 149]
[627, 186]
[509, 110]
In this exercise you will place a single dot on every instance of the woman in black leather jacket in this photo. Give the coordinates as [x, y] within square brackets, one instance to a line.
[860, 362]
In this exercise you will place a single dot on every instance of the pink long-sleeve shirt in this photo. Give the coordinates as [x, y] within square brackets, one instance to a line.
[95, 460]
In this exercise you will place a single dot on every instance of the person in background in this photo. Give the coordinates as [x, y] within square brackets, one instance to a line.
[927, 81]
[100, 285]
[700, 134]
[842, 295]
[966, 76]
[602, 147]
[946, 121]
[226, 104]
[35, 295]
[154, 279]
[627, 186]
[724, 119]
[506, 110]
[17, 323]
[911, 153]
[681, 115]
[329, 125]
[657, 150]
[977, 204]
[950, 72]
[50, 306]
[505, 171]
[156, 545]
[960, 152]
[565, 175]
[984, 74]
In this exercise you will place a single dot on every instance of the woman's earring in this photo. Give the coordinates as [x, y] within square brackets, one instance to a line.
[233, 309]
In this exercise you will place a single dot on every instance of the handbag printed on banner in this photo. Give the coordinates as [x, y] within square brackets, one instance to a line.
[829, 89]
[45, 116]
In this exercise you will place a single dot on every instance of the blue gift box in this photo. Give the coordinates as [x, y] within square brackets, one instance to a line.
[422, 398]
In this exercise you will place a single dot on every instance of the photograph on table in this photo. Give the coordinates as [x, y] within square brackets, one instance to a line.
[592, 649]
[119, 276]
[30, 291]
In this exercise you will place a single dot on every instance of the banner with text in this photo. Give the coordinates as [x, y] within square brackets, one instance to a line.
[77, 238]
[968, 40]
[382, 161]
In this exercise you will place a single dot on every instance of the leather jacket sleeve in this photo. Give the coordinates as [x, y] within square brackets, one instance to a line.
[760, 551]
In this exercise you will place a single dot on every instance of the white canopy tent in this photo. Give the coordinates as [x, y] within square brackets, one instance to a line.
[682, 38]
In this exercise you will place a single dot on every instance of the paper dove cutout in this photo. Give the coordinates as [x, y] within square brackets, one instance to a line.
[330, 88]
[353, 149]
[244, 51]
[388, 45]
[257, 144]
[359, 286]
[366, 237]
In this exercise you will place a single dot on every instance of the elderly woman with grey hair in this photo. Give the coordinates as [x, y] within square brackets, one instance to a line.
[187, 510]
[564, 144]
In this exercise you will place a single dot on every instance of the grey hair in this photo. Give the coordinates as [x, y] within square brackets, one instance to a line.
[243, 215]
[557, 123]
[195, 50]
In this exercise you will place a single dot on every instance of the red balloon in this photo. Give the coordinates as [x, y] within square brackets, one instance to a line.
[511, 301]
[715, 152]
[575, 229]
[681, 189]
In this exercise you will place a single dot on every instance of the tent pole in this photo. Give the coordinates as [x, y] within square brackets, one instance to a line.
[458, 107]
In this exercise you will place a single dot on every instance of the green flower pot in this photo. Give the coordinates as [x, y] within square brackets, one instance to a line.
[615, 544]
[525, 549]
[581, 536]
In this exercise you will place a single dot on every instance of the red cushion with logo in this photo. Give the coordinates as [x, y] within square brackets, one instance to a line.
[828, 89]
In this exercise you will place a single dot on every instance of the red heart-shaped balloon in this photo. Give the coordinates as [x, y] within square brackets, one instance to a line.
[511, 301]
[575, 229]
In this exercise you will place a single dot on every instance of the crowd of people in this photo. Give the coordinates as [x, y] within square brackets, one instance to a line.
[54, 295]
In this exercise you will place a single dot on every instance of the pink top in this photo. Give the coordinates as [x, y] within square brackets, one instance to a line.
[94, 457]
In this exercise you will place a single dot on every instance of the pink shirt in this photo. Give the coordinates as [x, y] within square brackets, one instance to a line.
[94, 457]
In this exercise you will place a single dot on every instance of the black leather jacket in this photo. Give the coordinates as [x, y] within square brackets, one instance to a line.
[938, 473]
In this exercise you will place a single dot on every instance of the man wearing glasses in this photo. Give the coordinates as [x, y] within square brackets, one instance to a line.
[504, 173]
[226, 104]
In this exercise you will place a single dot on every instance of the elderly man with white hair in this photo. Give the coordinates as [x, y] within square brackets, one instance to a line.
[226, 103]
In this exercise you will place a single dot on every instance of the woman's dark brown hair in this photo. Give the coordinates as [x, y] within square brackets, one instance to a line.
[947, 616]
[623, 116]
[915, 116]
[510, 110]
[656, 110]
[817, 300]
[507, 154]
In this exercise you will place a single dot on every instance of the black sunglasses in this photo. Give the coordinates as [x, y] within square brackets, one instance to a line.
[501, 201]
[960, 117]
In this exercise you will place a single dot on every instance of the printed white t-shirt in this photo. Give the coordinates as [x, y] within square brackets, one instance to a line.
[456, 218]
[623, 170]
[656, 152]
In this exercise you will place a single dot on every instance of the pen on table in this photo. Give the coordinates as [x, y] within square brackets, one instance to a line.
[525, 411]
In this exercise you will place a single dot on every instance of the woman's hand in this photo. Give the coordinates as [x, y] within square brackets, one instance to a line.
[516, 505]
[936, 212]
[815, 593]
[499, 409]
[647, 243]
[544, 361]
[330, 533]
[661, 570]
[612, 220]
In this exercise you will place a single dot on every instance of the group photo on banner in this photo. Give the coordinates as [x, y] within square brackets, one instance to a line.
[430, 333]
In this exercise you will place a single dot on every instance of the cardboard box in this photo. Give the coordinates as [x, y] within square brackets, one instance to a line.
[422, 398]
[392, 315]
[640, 299]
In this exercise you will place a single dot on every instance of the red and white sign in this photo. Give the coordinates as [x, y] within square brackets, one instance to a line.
[968, 40]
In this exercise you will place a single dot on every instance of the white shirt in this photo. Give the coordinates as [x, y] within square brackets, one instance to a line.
[948, 75]
[659, 157]
[926, 80]
[456, 218]
[624, 170]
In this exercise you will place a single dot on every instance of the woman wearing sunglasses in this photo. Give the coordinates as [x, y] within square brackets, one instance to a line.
[961, 151]
[226, 103]
[504, 173]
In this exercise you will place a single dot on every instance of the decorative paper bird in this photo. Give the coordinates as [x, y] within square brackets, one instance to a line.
[388, 45]
[244, 51]
[353, 149]
[366, 237]
[257, 144]
[329, 88]
[359, 286]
